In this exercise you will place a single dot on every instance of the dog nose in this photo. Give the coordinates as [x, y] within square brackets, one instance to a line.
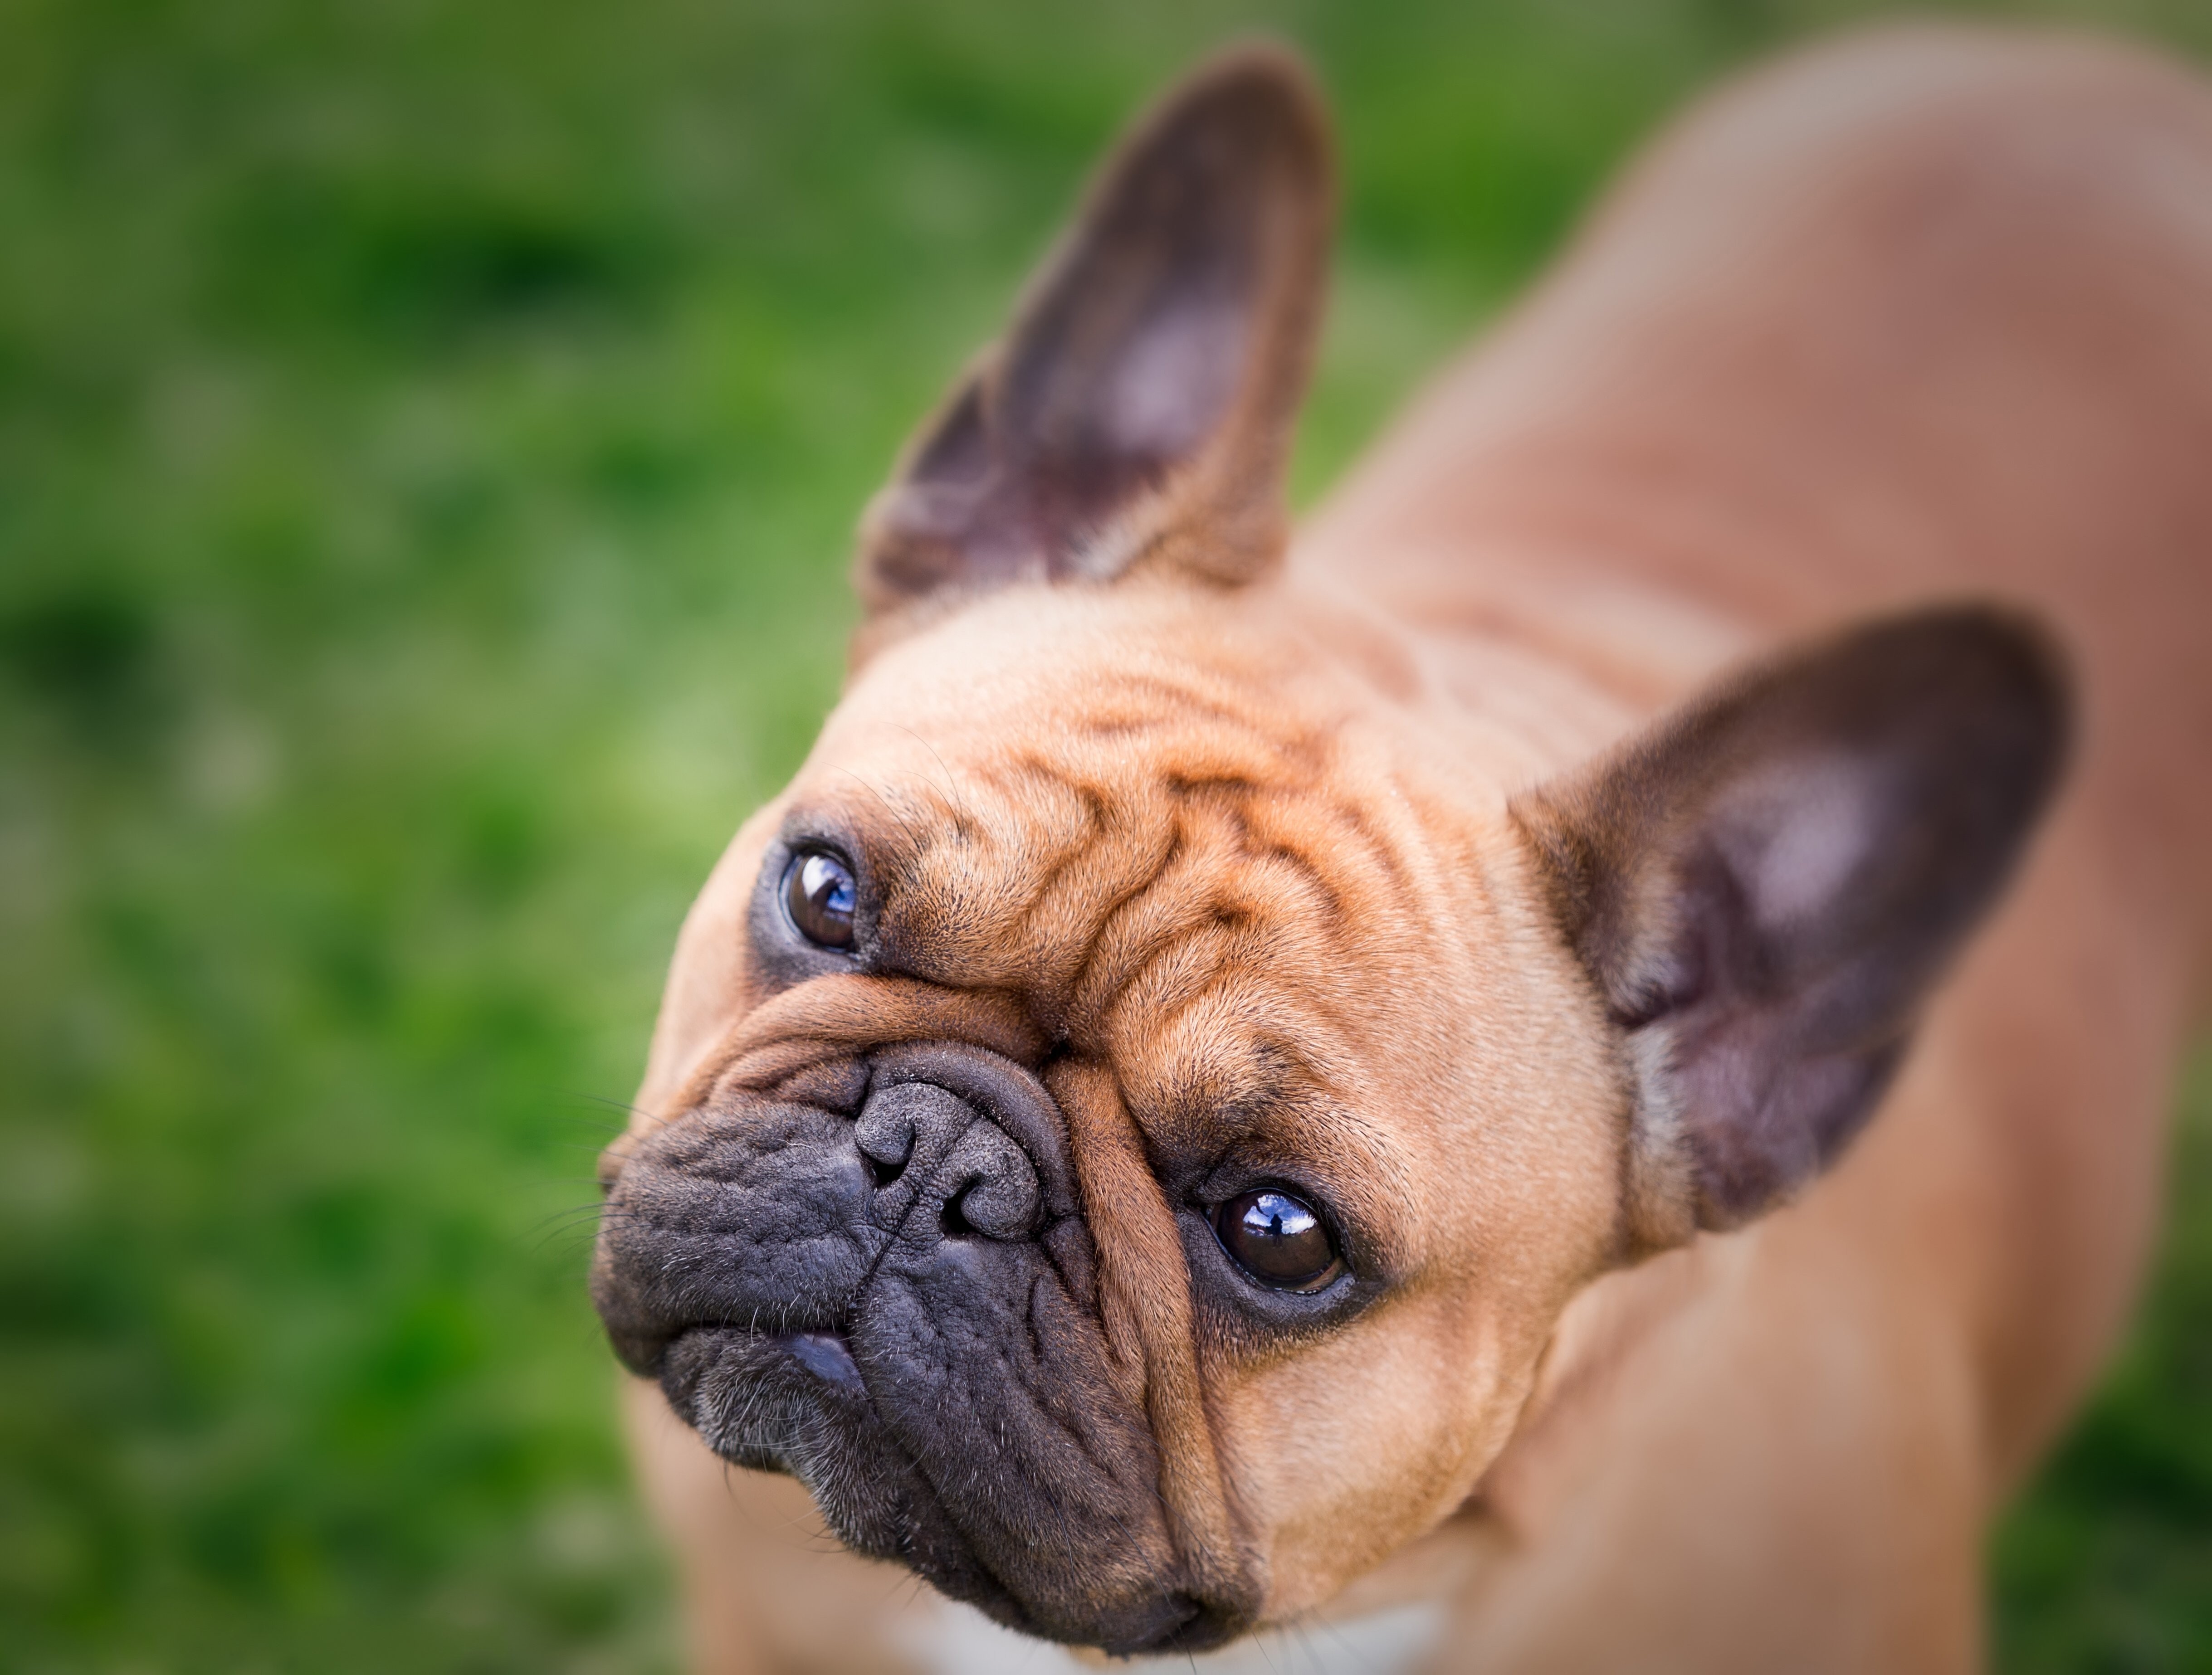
[992, 1190]
[929, 1149]
[778, 1209]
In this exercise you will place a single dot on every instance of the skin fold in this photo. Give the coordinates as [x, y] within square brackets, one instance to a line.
[1691, 858]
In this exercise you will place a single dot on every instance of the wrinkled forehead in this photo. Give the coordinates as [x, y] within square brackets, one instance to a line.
[1039, 781]
[1188, 854]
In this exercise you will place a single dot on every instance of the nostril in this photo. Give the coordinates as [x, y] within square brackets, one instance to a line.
[885, 1136]
[953, 1220]
[885, 1149]
[990, 1209]
[993, 1189]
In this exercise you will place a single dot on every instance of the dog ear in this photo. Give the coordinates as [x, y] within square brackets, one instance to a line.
[1764, 886]
[1139, 412]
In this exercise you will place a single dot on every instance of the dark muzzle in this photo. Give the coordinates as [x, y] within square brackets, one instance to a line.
[877, 1277]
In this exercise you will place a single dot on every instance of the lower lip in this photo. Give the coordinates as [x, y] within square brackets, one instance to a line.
[824, 1355]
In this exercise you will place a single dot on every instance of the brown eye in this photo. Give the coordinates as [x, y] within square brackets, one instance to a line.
[1278, 1238]
[818, 893]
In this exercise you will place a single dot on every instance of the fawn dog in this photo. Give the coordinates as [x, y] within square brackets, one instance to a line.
[1563, 1068]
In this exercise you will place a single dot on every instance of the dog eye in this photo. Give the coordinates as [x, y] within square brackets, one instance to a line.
[818, 893]
[1278, 1238]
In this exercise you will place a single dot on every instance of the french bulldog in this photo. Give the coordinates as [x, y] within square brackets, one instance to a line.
[1564, 1069]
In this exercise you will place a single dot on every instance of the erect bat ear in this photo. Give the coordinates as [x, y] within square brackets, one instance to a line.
[1139, 410]
[1764, 886]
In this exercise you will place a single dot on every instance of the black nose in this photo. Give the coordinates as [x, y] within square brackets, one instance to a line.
[961, 1143]
[875, 1275]
[933, 1155]
[773, 1212]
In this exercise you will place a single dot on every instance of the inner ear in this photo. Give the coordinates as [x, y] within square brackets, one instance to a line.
[1140, 408]
[1765, 888]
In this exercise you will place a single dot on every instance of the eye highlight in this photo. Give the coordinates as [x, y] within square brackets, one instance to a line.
[819, 894]
[1279, 1239]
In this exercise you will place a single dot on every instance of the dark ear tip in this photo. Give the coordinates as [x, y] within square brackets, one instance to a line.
[2013, 639]
[1262, 66]
[2037, 660]
[1264, 87]
[1139, 408]
[2009, 652]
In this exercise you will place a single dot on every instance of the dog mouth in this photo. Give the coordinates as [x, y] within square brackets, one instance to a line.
[824, 1354]
[770, 1401]
[798, 1403]
[876, 1279]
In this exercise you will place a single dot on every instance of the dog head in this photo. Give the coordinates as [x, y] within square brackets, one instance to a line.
[1124, 1124]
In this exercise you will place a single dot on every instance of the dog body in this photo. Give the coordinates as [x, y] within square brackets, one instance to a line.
[1315, 856]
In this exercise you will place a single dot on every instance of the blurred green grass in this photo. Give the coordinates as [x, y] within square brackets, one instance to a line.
[429, 438]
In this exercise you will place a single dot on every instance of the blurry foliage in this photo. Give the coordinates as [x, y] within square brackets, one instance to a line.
[2106, 1564]
[429, 437]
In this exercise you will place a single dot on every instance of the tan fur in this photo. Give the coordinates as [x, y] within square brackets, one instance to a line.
[1919, 316]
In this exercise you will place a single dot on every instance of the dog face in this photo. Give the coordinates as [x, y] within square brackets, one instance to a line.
[1124, 1124]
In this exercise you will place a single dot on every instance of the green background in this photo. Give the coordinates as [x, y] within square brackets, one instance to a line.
[429, 436]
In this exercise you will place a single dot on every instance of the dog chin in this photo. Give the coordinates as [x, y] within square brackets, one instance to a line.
[795, 1403]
